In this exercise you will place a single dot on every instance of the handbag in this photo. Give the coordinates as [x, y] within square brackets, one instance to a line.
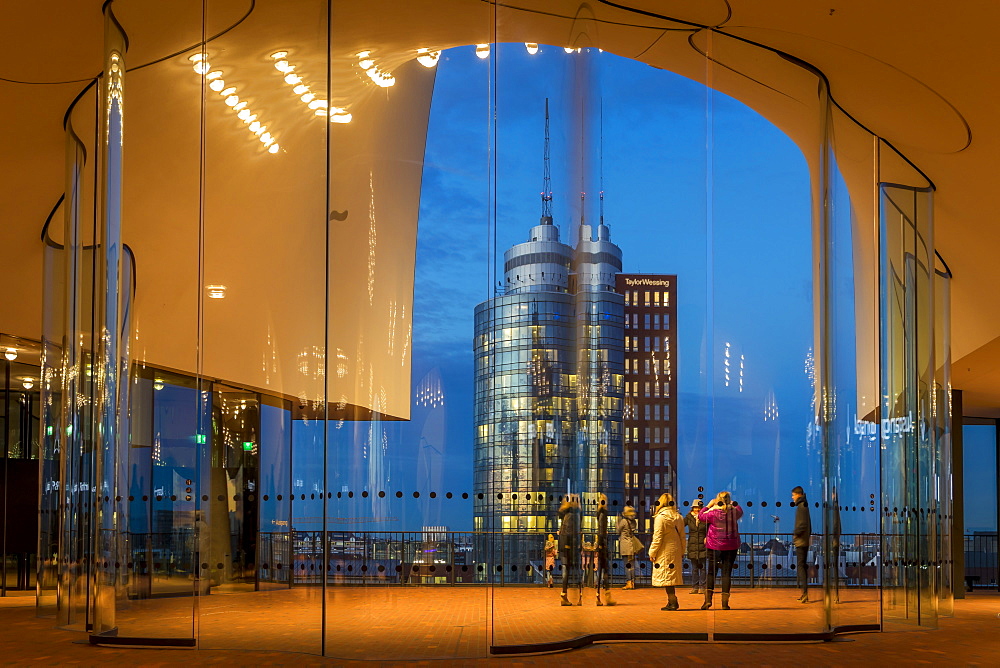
[637, 545]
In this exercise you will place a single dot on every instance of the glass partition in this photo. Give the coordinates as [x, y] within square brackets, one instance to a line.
[353, 374]
[911, 540]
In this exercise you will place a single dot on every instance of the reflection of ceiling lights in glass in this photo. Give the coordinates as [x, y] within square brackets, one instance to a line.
[158, 384]
[216, 291]
[569, 49]
[231, 99]
[428, 58]
[300, 88]
[10, 354]
[28, 382]
[482, 51]
[380, 78]
[531, 47]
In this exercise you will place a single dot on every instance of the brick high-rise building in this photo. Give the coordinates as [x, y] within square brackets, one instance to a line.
[650, 418]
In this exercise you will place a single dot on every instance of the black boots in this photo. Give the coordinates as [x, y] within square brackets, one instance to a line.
[672, 603]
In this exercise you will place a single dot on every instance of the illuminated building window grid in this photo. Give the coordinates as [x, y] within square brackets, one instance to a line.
[493, 366]
[650, 460]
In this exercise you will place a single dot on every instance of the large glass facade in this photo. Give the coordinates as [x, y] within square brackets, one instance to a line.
[320, 365]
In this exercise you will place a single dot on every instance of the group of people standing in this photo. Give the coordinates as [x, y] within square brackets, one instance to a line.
[569, 547]
[711, 544]
[713, 539]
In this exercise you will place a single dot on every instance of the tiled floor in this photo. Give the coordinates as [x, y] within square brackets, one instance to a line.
[431, 624]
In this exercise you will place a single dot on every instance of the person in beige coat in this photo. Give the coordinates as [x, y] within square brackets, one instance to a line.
[666, 550]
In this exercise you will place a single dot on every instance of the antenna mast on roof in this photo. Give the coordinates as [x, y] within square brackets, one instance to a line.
[601, 160]
[546, 174]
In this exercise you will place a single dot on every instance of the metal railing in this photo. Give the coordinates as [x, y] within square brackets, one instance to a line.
[981, 560]
[497, 558]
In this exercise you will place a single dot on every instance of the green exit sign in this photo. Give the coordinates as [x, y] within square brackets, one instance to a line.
[248, 445]
[201, 438]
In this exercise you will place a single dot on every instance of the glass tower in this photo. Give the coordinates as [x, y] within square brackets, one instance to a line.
[549, 384]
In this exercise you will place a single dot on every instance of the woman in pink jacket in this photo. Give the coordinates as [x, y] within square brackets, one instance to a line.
[722, 541]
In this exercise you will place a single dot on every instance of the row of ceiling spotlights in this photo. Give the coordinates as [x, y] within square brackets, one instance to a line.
[426, 57]
[231, 99]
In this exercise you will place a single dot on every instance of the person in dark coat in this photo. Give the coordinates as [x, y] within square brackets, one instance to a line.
[696, 550]
[569, 546]
[603, 579]
[801, 537]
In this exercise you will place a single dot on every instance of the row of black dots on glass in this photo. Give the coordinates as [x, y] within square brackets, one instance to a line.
[500, 496]
[514, 568]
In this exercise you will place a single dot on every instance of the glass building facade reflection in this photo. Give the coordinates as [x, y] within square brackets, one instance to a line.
[549, 360]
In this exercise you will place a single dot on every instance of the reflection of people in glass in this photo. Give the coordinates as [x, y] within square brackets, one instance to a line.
[603, 580]
[722, 541]
[569, 545]
[627, 526]
[801, 537]
[551, 550]
[588, 562]
[836, 546]
[697, 553]
[666, 550]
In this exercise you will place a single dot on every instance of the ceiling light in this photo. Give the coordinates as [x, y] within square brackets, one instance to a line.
[316, 103]
[28, 383]
[10, 354]
[216, 291]
[482, 51]
[158, 384]
[531, 47]
[231, 98]
[428, 58]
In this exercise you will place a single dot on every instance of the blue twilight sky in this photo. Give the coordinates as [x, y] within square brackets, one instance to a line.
[696, 184]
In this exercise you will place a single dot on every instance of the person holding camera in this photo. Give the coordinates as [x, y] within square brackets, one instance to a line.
[722, 540]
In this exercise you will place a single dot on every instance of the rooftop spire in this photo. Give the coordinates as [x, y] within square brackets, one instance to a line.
[546, 174]
[601, 160]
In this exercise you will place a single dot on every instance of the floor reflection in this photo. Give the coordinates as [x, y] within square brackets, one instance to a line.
[382, 622]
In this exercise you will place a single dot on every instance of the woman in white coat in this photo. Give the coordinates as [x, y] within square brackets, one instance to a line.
[666, 550]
